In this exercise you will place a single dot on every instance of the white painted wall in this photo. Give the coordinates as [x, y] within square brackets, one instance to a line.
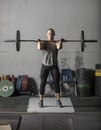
[33, 18]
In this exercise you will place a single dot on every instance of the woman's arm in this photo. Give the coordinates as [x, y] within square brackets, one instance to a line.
[59, 44]
[40, 45]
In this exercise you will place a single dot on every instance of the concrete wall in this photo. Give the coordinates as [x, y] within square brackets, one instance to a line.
[33, 18]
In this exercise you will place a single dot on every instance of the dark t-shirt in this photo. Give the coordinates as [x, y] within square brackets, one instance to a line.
[50, 54]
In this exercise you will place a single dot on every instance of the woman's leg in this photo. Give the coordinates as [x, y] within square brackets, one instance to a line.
[43, 77]
[56, 78]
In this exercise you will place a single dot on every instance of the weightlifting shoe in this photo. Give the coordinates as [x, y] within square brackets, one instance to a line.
[40, 104]
[59, 103]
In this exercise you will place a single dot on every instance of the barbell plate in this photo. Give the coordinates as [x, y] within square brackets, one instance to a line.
[6, 88]
[82, 41]
[18, 40]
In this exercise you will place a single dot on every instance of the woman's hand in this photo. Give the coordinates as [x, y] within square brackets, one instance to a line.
[59, 44]
[40, 45]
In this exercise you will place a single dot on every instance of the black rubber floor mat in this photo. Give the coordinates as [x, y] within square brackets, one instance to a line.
[45, 122]
[92, 122]
[14, 104]
[86, 104]
[86, 101]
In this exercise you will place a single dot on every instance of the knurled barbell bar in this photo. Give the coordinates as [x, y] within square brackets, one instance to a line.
[18, 41]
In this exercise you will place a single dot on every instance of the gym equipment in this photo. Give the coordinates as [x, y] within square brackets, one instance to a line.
[8, 77]
[67, 76]
[82, 41]
[25, 83]
[22, 83]
[6, 88]
[85, 83]
[3, 77]
[13, 80]
[98, 66]
[18, 83]
[98, 80]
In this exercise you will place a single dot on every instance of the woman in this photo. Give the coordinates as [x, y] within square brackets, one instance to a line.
[50, 63]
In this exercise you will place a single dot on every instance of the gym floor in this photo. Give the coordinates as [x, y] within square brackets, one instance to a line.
[87, 114]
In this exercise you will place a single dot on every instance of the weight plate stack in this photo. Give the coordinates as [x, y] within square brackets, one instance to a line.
[24, 83]
[8, 77]
[3, 77]
[84, 88]
[13, 80]
[98, 80]
[83, 74]
[84, 79]
[18, 84]
[98, 66]
[6, 88]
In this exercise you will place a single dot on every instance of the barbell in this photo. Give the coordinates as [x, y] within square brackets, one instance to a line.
[82, 41]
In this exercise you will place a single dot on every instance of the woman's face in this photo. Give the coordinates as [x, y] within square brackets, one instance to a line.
[50, 35]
